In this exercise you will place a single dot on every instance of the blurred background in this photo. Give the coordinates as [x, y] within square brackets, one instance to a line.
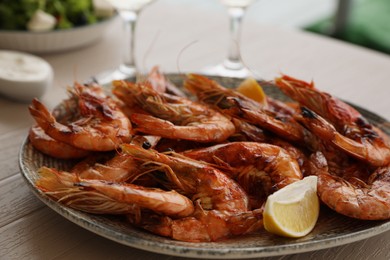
[362, 22]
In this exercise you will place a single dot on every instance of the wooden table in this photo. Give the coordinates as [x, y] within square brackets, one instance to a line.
[30, 230]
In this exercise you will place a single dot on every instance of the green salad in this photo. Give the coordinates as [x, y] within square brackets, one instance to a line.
[62, 14]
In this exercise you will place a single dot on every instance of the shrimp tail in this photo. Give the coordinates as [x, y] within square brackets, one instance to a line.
[51, 179]
[39, 111]
[44, 118]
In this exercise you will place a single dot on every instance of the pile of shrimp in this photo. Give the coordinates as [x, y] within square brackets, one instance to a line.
[198, 165]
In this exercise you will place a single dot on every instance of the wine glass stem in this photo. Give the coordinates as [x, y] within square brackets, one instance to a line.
[130, 21]
[235, 18]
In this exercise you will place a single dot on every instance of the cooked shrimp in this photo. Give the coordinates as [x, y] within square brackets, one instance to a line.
[203, 226]
[100, 197]
[197, 180]
[351, 132]
[49, 146]
[334, 110]
[272, 118]
[368, 148]
[174, 117]
[249, 132]
[259, 168]
[357, 199]
[222, 207]
[101, 126]
[284, 126]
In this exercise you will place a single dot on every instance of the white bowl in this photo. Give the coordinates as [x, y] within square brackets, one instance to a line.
[54, 41]
[24, 76]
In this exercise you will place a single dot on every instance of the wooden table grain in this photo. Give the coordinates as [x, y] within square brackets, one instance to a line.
[193, 37]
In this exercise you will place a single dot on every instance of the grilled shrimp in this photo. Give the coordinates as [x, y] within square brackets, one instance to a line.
[369, 148]
[173, 117]
[202, 226]
[259, 168]
[221, 205]
[351, 133]
[102, 197]
[49, 146]
[340, 114]
[271, 117]
[101, 126]
[195, 179]
[249, 132]
[369, 200]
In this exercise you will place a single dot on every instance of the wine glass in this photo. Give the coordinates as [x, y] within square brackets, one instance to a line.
[129, 11]
[232, 66]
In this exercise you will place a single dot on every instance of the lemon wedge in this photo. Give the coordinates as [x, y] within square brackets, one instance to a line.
[293, 210]
[252, 89]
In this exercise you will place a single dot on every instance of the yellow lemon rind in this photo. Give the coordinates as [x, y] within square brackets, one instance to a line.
[286, 218]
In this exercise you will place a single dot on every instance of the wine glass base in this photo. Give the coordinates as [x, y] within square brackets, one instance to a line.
[222, 70]
[122, 73]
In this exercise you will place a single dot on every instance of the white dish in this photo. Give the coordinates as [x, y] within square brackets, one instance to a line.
[54, 41]
[24, 76]
[331, 230]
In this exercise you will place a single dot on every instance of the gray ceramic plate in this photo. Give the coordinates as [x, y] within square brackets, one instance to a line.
[331, 230]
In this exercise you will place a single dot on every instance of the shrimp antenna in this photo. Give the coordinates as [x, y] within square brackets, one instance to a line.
[149, 50]
[254, 73]
[75, 69]
[181, 52]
